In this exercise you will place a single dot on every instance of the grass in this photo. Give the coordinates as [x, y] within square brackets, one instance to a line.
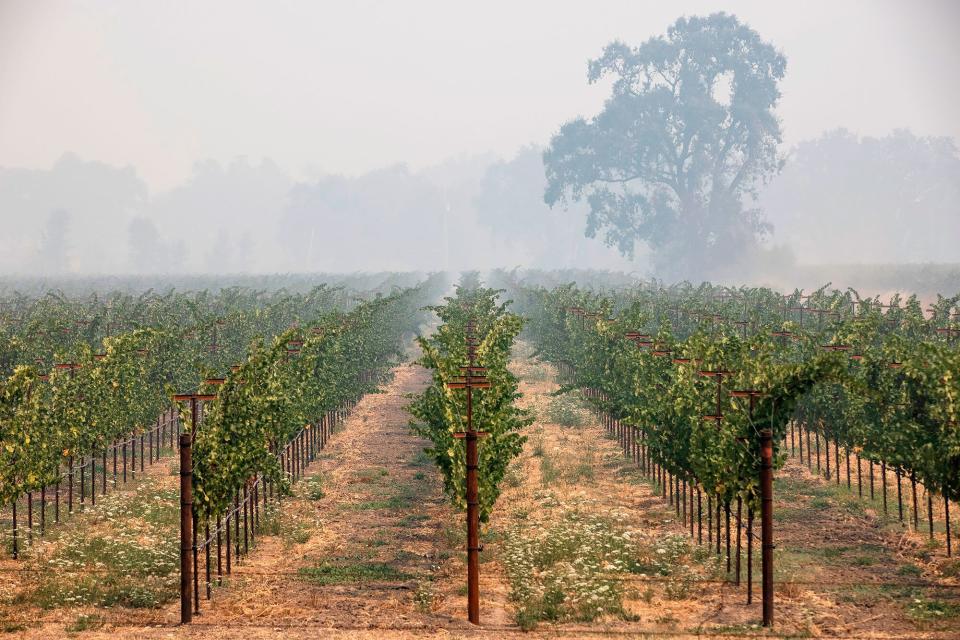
[299, 535]
[84, 623]
[123, 553]
[566, 410]
[313, 487]
[931, 610]
[412, 518]
[371, 475]
[538, 560]
[734, 629]
[950, 568]
[550, 472]
[424, 596]
[276, 522]
[582, 470]
[377, 541]
[104, 591]
[454, 535]
[513, 476]
[538, 445]
[405, 498]
[421, 459]
[327, 573]
[536, 373]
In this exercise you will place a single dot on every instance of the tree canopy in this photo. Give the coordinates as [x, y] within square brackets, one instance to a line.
[688, 130]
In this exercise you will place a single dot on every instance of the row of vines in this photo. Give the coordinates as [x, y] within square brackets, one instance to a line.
[84, 376]
[693, 376]
[441, 411]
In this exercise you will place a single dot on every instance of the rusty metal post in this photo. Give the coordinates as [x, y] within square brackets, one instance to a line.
[699, 515]
[946, 513]
[709, 520]
[188, 519]
[749, 555]
[859, 478]
[220, 551]
[913, 488]
[196, 564]
[883, 476]
[473, 502]
[726, 512]
[83, 483]
[739, 531]
[766, 522]
[899, 493]
[473, 528]
[16, 550]
[227, 523]
[206, 548]
[473, 378]
[799, 440]
[186, 525]
[246, 521]
[70, 486]
[236, 524]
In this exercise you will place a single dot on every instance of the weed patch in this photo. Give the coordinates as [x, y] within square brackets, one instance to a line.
[566, 411]
[566, 570]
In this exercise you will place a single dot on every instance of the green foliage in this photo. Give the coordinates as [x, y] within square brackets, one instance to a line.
[887, 388]
[273, 395]
[566, 411]
[113, 363]
[539, 561]
[441, 411]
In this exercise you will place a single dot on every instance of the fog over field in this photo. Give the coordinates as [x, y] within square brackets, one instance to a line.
[239, 137]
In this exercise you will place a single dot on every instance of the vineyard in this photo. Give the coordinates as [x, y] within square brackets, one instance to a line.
[414, 458]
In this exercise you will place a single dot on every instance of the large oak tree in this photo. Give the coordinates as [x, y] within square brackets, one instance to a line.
[688, 131]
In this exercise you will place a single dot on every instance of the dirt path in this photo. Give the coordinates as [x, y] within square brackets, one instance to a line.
[354, 556]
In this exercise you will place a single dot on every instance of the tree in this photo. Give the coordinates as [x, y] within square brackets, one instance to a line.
[688, 131]
[54, 246]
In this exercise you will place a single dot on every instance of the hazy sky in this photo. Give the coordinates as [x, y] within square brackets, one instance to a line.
[349, 86]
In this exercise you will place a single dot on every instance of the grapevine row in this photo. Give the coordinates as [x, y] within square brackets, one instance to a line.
[691, 378]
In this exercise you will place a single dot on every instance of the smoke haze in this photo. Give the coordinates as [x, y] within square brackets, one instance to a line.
[235, 137]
